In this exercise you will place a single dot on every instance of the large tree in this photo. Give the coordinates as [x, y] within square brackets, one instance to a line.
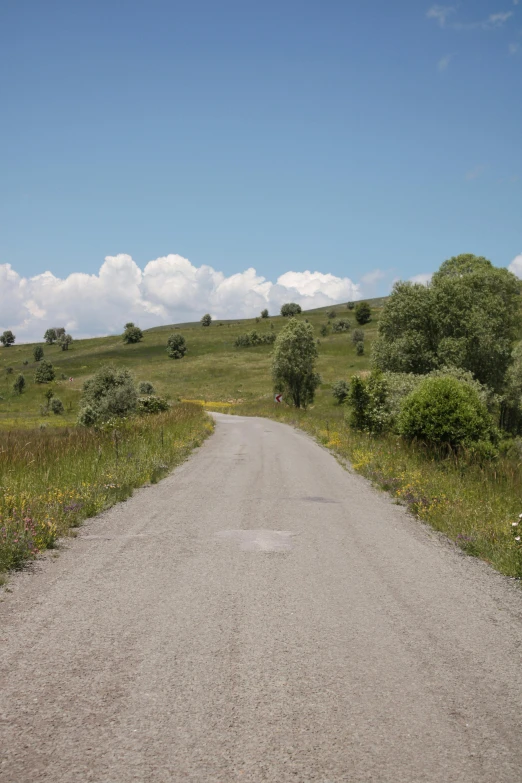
[293, 363]
[468, 316]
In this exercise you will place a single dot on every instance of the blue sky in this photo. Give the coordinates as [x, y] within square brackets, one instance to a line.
[344, 137]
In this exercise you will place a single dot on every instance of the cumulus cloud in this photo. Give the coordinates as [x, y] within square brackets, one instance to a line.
[423, 279]
[169, 289]
[516, 266]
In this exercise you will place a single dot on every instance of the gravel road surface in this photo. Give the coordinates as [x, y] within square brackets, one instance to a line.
[260, 615]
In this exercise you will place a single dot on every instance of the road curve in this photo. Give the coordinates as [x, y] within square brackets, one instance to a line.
[260, 615]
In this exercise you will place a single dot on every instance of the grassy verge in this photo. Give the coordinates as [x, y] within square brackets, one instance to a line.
[51, 479]
[474, 505]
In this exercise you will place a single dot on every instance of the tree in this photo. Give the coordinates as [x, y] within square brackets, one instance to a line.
[341, 325]
[363, 313]
[7, 338]
[132, 334]
[38, 353]
[44, 372]
[56, 406]
[59, 331]
[358, 336]
[146, 387]
[290, 309]
[350, 305]
[340, 391]
[468, 317]
[50, 336]
[293, 364]
[206, 320]
[176, 346]
[19, 384]
[64, 341]
[264, 313]
[110, 392]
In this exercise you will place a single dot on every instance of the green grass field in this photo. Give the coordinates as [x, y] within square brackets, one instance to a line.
[213, 369]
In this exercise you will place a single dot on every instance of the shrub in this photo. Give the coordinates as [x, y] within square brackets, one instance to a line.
[332, 314]
[176, 346]
[293, 364]
[87, 416]
[152, 404]
[9, 370]
[350, 305]
[146, 387]
[50, 336]
[359, 348]
[368, 398]
[25, 362]
[56, 406]
[65, 340]
[264, 313]
[323, 330]
[290, 309]
[340, 391]
[341, 325]
[132, 334]
[19, 384]
[363, 313]
[109, 393]
[38, 353]
[7, 338]
[445, 411]
[44, 372]
[254, 338]
[358, 336]
[206, 320]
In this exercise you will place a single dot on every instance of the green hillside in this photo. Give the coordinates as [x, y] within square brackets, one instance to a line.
[213, 368]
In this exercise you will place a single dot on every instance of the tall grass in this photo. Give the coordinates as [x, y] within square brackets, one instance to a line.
[51, 479]
[474, 504]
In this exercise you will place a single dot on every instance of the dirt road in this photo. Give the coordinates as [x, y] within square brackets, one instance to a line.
[260, 615]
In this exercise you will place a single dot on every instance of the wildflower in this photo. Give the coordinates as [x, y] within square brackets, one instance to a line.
[514, 524]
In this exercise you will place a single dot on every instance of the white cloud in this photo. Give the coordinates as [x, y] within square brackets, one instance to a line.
[497, 20]
[370, 278]
[443, 63]
[169, 289]
[423, 279]
[440, 13]
[516, 266]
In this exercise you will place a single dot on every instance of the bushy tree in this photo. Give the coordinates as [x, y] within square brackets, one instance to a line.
[445, 411]
[110, 392]
[340, 391]
[59, 330]
[350, 305]
[56, 406]
[176, 346]
[264, 313]
[64, 341]
[363, 313]
[132, 334]
[38, 353]
[323, 330]
[359, 348]
[332, 314]
[146, 387]
[152, 404]
[293, 364]
[19, 384]
[50, 336]
[7, 338]
[44, 372]
[290, 309]
[341, 325]
[468, 317]
[206, 320]
[357, 336]
[368, 399]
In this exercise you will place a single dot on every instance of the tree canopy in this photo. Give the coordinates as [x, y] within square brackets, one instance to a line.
[293, 363]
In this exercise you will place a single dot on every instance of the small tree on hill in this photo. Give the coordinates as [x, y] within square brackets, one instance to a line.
[363, 313]
[206, 320]
[264, 313]
[64, 341]
[44, 373]
[110, 392]
[59, 331]
[19, 384]
[132, 334]
[293, 364]
[290, 309]
[38, 353]
[50, 336]
[176, 346]
[7, 338]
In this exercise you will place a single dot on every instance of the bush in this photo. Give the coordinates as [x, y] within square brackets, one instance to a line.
[152, 404]
[445, 411]
[264, 313]
[363, 313]
[324, 330]
[50, 336]
[176, 346]
[146, 387]
[109, 393]
[132, 334]
[56, 406]
[332, 314]
[340, 391]
[254, 338]
[359, 348]
[350, 305]
[65, 340]
[341, 325]
[368, 398]
[206, 320]
[19, 384]
[358, 336]
[44, 373]
[87, 416]
[293, 364]
[7, 338]
[38, 353]
[9, 370]
[25, 362]
[290, 309]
